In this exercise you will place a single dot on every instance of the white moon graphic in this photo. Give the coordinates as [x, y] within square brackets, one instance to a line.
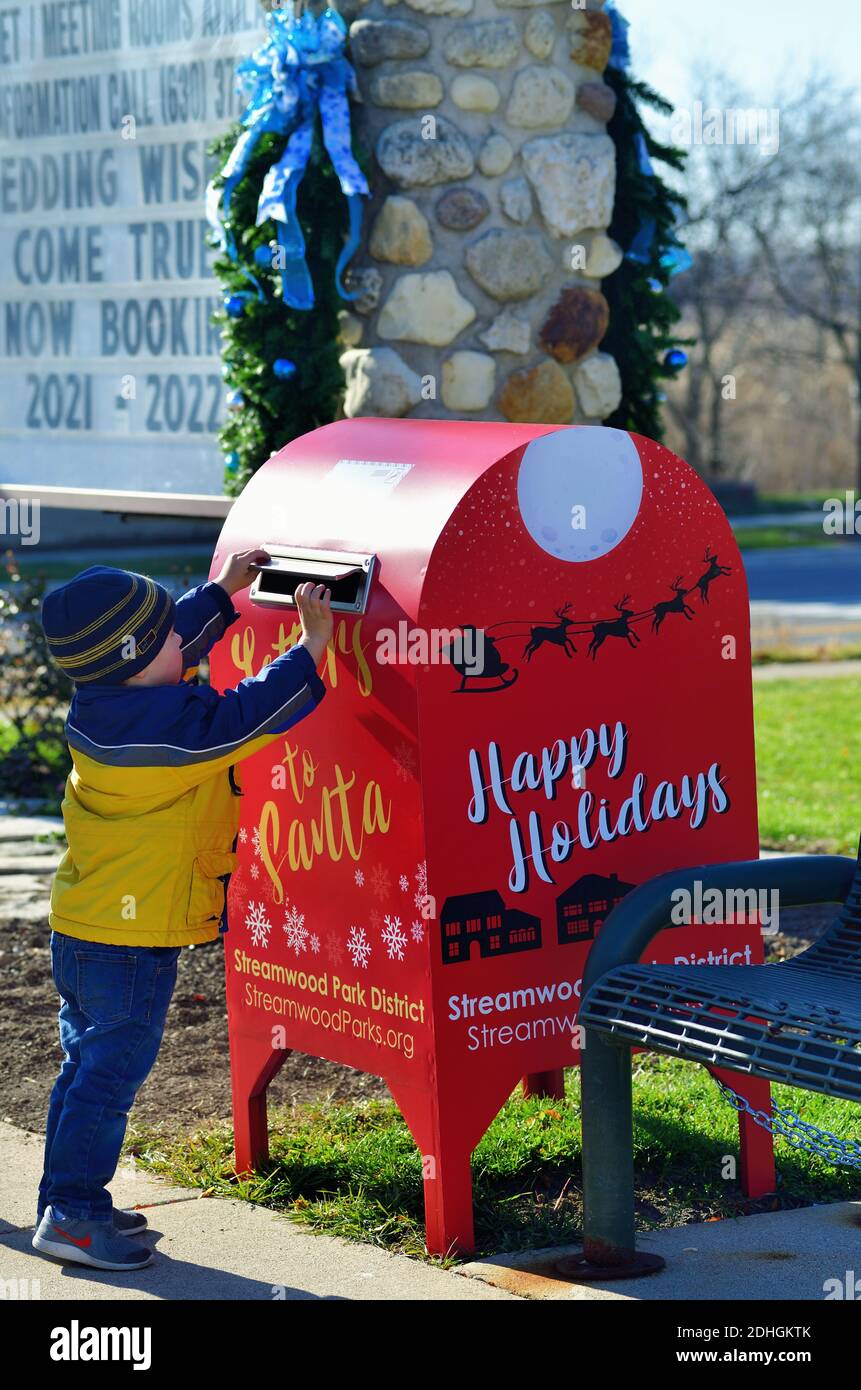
[579, 491]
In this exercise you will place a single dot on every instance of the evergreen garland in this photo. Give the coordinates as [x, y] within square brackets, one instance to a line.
[642, 316]
[275, 410]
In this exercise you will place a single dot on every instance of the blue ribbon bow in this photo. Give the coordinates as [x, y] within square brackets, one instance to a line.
[620, 56]
[298, 71]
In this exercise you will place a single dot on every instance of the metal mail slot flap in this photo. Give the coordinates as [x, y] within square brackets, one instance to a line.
[348, 575]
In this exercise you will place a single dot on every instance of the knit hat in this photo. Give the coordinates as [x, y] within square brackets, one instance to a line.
[106, 624]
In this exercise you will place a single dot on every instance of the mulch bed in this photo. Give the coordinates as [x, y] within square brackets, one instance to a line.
[190, 1082]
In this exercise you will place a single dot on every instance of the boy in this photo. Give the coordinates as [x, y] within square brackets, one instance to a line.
[151, 812]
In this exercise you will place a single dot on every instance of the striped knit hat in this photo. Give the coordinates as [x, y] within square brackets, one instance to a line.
[106, 625]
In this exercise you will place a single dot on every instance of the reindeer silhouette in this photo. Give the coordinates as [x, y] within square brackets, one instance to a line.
[558, 635]
[713, 572]
[662, 611]
[620, 628]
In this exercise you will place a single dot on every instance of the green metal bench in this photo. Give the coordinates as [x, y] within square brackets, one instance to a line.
[798, 1022]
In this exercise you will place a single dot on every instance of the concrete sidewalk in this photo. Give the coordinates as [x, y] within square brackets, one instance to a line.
[797, 1255]
[208, 1248]
[218, 1249]
[806, 670]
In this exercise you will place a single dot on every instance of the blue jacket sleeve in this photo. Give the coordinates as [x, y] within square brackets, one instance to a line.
[220, 730]
[202, 617]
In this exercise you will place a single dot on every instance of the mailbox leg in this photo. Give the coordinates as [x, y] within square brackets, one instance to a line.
[445, 1135]
[449, 1227]
[758, 1175]
[545, 1083]
[251, 1073]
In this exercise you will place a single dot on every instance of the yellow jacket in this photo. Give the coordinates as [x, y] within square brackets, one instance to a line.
[151, 807]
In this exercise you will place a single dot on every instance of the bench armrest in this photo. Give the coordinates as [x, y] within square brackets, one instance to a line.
[642, 913]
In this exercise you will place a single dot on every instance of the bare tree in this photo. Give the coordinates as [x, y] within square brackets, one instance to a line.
[808, 228]
[742, 297]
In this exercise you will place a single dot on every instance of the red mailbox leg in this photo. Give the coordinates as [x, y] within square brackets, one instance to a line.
[756, 1145]
[449, 1228]
[545, 1083]
[445, 1145]
[253, 1064]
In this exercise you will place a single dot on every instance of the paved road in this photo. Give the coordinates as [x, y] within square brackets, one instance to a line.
[806, 574]
[805, 596]
[755, 523]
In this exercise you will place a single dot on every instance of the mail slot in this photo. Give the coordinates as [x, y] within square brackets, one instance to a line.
[347, 576]
[538, 696]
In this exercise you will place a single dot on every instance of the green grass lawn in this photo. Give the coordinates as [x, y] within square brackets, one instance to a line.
[352, 1170]
[805, 656]
[808, 748]
[767, 503]
[778, 537]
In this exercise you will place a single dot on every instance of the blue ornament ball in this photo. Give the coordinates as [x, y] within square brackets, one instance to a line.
[234, 305]
[676, 359]
[263, 256]
[655, 286]
[235, 400]
[231, 462]
[284, 368]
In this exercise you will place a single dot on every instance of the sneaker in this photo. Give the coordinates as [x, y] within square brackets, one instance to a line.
[128, 1223]
[94, 1243]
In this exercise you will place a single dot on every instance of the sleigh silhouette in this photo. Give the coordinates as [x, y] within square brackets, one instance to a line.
[487, 666]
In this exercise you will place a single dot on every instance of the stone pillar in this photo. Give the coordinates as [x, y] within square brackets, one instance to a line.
[486, 240]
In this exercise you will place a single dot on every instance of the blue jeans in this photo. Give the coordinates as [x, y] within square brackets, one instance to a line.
[114, 1006]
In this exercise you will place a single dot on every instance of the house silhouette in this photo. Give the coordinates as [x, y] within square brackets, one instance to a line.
[483, 917]
[582, 908]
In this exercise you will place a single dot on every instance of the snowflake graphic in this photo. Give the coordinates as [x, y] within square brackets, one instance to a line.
[404, 883]
[419, 900]
[315, 944]
[376, 919]
[334, 949]
[360, 878]
[297, 932]
[421, 877]
[255, 840]
[243, 835]
[258, 924]
[359, 947]
[395, 940]
[255, 872]
[418, 931]
[380, 882]
[405, 762]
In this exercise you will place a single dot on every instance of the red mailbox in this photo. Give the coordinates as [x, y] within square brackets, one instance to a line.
[539, 695]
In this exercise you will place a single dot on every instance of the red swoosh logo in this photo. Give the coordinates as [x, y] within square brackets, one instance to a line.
[83, 1242]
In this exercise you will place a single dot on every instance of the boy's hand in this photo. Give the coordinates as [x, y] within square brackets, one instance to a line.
[314, 602]
[238, 570]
